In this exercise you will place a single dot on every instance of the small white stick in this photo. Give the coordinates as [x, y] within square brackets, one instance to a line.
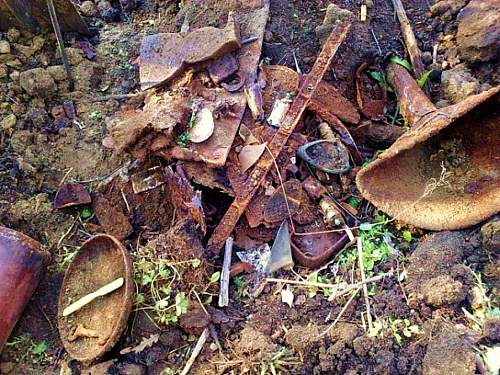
[325, 285]
[361, 260]
[85, 300]
[224, 278]
[363, 13]
[196, 351]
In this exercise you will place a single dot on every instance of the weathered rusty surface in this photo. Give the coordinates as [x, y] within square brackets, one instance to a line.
[223, 68]
[71, 195]
[34, 15]
[165, 55]
[100, 260]
[454, 145]
[22, 264]
[111, 218]
[314, 250]
[279, 140]
[186, 201]
[371, 108]
[325, 102]
[214, 150]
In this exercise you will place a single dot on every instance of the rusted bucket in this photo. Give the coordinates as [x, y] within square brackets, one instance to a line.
[444, 172]
[22, 264]
[101, 260]
[34, 15]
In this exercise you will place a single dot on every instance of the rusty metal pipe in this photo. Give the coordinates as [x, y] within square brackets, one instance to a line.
[413, 102]
[22, 264]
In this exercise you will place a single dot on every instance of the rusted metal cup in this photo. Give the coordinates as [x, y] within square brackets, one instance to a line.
[22, 264]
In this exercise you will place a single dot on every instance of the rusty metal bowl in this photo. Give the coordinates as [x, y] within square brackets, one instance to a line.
[444, 172]
[22, 264]
[101, 260]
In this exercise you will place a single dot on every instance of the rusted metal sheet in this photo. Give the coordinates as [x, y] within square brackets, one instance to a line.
[34, 15]
[370, 107]
[279, 140]
[443, 173]
[326, 101]
[165, 55]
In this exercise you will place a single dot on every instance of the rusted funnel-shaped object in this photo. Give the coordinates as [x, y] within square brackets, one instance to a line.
[444, 172]
[22, 263]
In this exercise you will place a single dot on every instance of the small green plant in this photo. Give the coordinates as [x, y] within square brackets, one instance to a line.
[398, 328]
[29, 350]
[86, 213]
[95, 115]
[240, 284]
[423, 78]
[407, 235]
[400, 61]
[375, 248]
[183, 139]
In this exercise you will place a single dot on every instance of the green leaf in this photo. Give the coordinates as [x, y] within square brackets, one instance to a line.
[398, 60]
[407, 236]
[181, 304]
[425, 76]
[195, 263]
[377, 76]
[40, 348]
[353, 202]
[86, 213]
[215, 277]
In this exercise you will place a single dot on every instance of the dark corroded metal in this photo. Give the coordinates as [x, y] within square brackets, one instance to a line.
[279, 140]
[34, 15]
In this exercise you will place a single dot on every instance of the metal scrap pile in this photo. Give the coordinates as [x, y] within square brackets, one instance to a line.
[233, 125]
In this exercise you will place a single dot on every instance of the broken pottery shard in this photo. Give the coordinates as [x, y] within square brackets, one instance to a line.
[283, 204]
[71, 195]
[249, 155]
[203, 127]
[148, 179]
[223, 68]
[164, 56]
[281, 252]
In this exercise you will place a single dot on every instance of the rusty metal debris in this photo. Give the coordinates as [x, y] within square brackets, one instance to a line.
[423, 179]
[186, 201]
[279, 140]
[147, 179]
[165, 55]
[100, 260]
[70, 195]
[371, 108]
[22, 265]
[34, 15]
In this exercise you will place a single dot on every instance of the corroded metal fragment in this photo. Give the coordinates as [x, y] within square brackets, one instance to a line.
[165, 55]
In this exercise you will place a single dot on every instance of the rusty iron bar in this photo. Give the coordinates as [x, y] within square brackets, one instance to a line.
[60, 42]
[292, 118]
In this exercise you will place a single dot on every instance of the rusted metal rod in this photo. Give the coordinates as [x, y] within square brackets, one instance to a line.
[292, 118]
[60, 41]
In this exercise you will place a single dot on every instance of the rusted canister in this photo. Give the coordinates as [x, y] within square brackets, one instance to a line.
[22, 264]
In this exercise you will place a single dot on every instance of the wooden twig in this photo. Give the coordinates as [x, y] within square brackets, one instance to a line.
[85, 300]
[340, 314]
[224, 278]
[411, 42]
[196, 351]
[60, 42]
[361, 260]
[345, 290]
